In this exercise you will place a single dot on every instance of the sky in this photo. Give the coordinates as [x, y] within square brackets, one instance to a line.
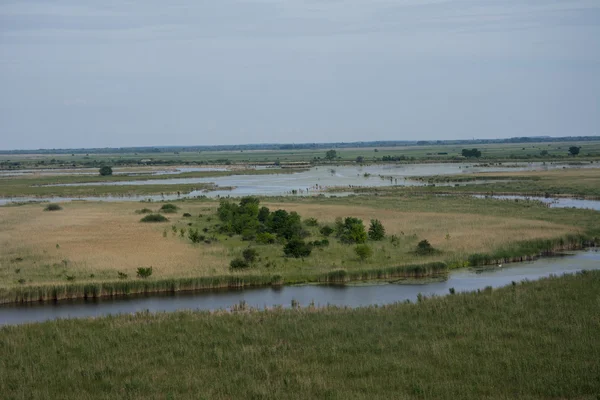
[115, 73]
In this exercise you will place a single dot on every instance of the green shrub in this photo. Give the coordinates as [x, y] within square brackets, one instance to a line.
[105, 171]
[311, 222]
[319, 243]
[297, 248]
[53, 207]
[250, 255]
[143, 211]
[376, 230]
[351, 230]
[122, 275]
[238, 263]
[326, 230]
[143, 272]
[154, 218]
[195, 236]
[363, 251]
[187, 215]
[265, 238]
[424, 248]
[169, 208]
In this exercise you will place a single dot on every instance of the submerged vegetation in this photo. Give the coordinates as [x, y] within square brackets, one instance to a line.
[529, 340]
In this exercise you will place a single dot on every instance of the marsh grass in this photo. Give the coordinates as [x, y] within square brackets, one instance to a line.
[531, 340]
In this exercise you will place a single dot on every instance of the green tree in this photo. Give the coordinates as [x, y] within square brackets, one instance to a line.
[376, 230]
[352, 231]
[331, 155]
[424, 248]
[574, 150]
[250, 255]
[105, 171]
[363, 251]
[471, 153]
[297, 248]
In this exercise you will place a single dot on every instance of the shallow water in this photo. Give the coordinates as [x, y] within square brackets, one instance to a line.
[553, 202]
[322, 295]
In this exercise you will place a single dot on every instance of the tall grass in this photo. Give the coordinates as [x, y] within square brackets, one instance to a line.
[55, 292]
[534, 340]
[532, 249]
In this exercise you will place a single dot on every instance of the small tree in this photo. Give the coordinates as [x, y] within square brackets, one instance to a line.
[574, 150]
[376, 230]
[326, 230]
[297, 248]
[331, 155]
[424, 248]
[105, 171]
[363, 251]
[143, 272]
[250, 255]
[471, 153]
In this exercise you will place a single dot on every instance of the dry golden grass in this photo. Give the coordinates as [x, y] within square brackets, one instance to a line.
[469, 233]
[103, 238]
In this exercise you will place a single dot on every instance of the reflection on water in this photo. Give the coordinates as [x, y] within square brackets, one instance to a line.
[320, 295]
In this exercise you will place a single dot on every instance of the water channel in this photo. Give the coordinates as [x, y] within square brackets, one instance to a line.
[363, 294]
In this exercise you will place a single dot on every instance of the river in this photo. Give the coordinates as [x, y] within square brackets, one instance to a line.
[363, 294]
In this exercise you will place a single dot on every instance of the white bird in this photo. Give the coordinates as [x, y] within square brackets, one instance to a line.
[499, 265]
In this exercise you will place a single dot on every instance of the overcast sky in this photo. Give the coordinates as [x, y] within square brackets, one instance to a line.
[83, 73]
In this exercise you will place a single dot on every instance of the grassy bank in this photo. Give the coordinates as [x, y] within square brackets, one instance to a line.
[529, 341]
[91, 290]
[89, 243]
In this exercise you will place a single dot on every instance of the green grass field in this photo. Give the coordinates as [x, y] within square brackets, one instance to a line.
[529, 341]
[506, 151]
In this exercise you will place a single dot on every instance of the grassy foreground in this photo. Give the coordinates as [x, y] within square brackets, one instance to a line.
[533, 340]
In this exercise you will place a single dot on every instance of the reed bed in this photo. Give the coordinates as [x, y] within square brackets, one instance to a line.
[56, 292]
[531, 340]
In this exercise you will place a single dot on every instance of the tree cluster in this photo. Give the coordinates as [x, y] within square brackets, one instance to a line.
[471, 153]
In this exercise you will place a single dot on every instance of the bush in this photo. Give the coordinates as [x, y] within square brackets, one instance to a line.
[250, 255]
[238, 263]
[195, 236]
[122, 275]
[154, 218]
[105, 171]
[363, 251]
[351, 230]
[326, 230]
[376, 230]
[143, 272]
[311, 222]
[265, 238]
[169, 208]
[187, 215]
[297, 248]
[53, 207]
[320, 243]
[424, 248]
[143, 211]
